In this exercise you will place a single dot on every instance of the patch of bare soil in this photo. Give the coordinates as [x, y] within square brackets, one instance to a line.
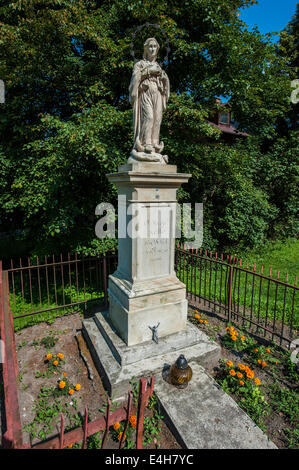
[79, 369]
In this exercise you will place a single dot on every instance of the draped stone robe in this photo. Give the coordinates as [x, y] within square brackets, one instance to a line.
[148, 93]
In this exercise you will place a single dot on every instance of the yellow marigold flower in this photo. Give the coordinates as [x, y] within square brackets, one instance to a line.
[241, 382]
[264, 363]
[241, 366]
[232, 372]
[116, 426]
[242, 338]
[61, 384]
[229, 364]
[49, 356]
[120, 436]
[268, 350]
[197, 316]
[133, 421]
[255, 350]
[55, 363]
[71, 391]
[205, 322]
[257, 381]
[239, 375]
[60, 355]
[77, 386]
[234, 338]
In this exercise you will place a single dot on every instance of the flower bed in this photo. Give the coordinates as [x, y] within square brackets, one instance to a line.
[259, 376]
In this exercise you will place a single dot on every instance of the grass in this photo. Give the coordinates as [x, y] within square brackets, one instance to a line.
[280, 256]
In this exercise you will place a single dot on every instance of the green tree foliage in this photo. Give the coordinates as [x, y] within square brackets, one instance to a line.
[66, 122]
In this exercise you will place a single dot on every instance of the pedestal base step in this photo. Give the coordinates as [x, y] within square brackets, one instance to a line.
[203, 416]
[118, 364]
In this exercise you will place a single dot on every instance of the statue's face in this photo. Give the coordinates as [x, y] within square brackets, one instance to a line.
[152, 50]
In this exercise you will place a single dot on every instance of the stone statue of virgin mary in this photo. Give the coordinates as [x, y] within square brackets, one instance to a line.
[148, 93]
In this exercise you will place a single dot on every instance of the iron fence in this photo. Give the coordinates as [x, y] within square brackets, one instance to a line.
[261, 303]
[42, 288]
[257, 302]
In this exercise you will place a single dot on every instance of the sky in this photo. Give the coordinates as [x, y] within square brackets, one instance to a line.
[269, 15]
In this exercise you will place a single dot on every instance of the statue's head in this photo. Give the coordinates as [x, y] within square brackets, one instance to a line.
[151, 48]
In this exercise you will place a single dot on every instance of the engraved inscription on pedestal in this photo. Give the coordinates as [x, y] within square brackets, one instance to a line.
[154, 244]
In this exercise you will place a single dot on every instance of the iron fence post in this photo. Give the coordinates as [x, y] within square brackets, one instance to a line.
[105, 281]
[230, 284]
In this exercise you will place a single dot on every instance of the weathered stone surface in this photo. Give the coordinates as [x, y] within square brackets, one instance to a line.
[203, 416]
[144, 291]
[118, 363]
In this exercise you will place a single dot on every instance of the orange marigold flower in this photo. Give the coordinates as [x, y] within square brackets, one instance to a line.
[255, 349]
[61, 384]
[241, 366]
[71, 391]
[234, 338]
[268, 350]
[232, 372]
[49, 356]
[239, 375]
[227, 329]
[77, 386]
[70, 445]
[64, 374]
[257, 381]
[200, 321]
[259, 361]
[120, 436]
[197, 316]
[133, 421]
[55, 363]
[195, 311]
[229, 364]
[276, 362]
[241, 382]
[205, 321]
[116, 426]
[264, 363]
[60, 355]
[250, 374]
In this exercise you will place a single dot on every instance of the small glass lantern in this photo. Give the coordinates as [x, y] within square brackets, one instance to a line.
[180, 372]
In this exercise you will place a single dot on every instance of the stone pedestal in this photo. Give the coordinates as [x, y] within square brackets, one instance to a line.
[144, 291]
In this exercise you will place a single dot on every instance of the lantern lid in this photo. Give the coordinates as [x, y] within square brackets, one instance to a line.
[181, 362]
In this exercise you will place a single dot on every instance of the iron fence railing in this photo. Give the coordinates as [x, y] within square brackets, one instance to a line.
[41, 288]
[257, 302]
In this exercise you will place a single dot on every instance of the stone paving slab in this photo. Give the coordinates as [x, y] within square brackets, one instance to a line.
[203, 416]
[150, 359]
